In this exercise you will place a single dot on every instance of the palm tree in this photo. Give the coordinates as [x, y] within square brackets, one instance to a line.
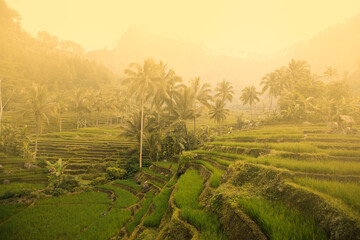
[296, 72]
[61, 106]
[183, 110]
[38, 104]
[218, 112]
[272, 85]
[224, 91]
[330, 74]
[168, 87]
[249, 95]
[142, 81]
[201, 95]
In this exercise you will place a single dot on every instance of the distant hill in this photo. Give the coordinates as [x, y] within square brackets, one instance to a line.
[60, 65]
[337, 47]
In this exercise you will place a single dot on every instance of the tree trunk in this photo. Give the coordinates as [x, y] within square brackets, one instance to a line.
[36, 141]
[194, 125]
[187, 136]
[141, 130]
[60, 123]
[251, 115]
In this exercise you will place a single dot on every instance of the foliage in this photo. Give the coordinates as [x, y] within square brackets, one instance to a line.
[56, 171]
[14, 140]
[115, 173]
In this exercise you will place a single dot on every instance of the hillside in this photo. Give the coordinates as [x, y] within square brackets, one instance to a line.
[46, 60]
[337, 47]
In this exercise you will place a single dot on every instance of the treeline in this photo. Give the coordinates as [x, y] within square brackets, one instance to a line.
[304, 96]
[59, 65]
[166, 104]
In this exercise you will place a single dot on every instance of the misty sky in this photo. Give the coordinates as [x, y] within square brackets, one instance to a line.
[261, 26]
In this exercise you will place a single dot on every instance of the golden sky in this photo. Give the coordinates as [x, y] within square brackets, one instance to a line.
[261, 26]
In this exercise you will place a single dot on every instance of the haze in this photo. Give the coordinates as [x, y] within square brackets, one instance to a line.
[230, 26]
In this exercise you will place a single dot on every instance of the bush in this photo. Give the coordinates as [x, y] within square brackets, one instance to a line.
[99, 181]
[69, 183]
[115, 173]
[132, 167]
[57, 192]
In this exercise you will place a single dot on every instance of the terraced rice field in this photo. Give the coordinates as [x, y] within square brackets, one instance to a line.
[302, 171]
[276, 186]
[88, 150]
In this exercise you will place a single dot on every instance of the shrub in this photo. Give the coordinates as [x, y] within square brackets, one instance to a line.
[132, 167]
[115, 173]
[69, 183]
[99, 181]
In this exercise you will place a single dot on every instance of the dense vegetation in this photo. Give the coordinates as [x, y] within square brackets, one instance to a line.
[86, 154]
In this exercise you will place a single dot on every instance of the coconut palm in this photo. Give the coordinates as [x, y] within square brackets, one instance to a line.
[272, 85]
[39, 105]
[330, 74]
[182, 110]
[141, 80]
[202, 95]
[218, 112]
[296, 72]
[224, 91]
[250, 96]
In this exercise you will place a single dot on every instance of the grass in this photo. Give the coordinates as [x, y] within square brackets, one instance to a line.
[349, 193]
[79, 198]
[174, 165]
[161, 202]
[283, 146]
[186, 197]
[280, 222]
[156, 183]
[107, 226]
[18, 189]
[8, 210]
[145, 204]
[221, 154]
[149, 171]
[172, 182]
[124, 198]
[216, 173]
[58, 217]
[130, 183]
[322, 167]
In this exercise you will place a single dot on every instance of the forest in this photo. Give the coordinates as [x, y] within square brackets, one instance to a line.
[88, 153]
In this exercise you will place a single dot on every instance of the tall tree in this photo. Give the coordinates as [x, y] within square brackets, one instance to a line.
[6, 94]
[271, 84]
[224, 91]
[202, 95]
[218, 112]
[142, 82]
[250, 96]
[330, 74]
[39, 105]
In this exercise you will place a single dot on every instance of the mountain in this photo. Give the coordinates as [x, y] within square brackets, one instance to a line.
[337, 47]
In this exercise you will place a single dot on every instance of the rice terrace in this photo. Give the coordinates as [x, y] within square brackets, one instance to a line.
[202, 121]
